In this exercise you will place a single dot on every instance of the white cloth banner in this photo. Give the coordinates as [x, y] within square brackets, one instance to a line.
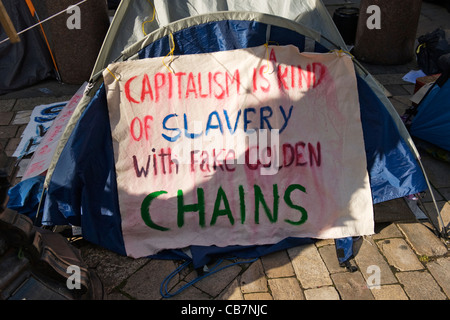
[43, 154]
[242, 147]
[41, 119]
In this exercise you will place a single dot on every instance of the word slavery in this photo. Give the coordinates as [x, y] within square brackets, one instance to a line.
[140, 128]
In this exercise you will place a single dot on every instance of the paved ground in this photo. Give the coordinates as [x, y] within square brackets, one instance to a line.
[413, 263]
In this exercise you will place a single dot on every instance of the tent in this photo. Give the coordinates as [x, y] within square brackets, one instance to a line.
[28, 61]
[431, 123]
[80, 187]
[45, 43]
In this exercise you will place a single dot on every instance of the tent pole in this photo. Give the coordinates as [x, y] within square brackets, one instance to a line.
[39, 206]
[35, 15]
[441, 228]
[7, 24]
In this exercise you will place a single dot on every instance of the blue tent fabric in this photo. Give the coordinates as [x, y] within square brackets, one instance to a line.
[203, 255]
[432, 122]
[83, 189]
[344, 248]
[26, 196]
[393, 169]
[222, 36]
[83, 192]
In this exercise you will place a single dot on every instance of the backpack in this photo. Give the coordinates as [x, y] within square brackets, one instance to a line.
[431, 47]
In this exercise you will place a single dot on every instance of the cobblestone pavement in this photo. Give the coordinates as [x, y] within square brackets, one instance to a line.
[413, 263]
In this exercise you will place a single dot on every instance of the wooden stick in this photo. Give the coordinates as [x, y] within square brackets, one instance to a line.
[7, 24]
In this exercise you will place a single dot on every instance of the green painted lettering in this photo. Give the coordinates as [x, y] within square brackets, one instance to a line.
[242, 203]
[259, 198]
[288, 200]
[145, 211]
[200, 207]
[221, 197]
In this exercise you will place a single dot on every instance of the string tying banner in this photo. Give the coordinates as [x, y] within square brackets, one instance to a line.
[117, 79]
[148, 21]
[341, 53]
[172, 49]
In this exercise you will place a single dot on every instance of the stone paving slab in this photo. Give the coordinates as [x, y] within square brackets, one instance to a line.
[351, 286]
[286, 289]
[278, 265]
[6, 118]
[437, 171]
[328, 255]
[7, 105]
[31, 103]
[389, 292]
[393, 210]
[399, 255]
[47, 89]
[386, 231]
[141, 284]
[8, 131]
[443, 207]
[420, 286]
[422, 240]
[440, 270]
[215, 285]
[263, 296]
[111, 267]
[309, 266]
[232, 292]
[253, 279]
[369, 256]
[191, 293]
[322, 293]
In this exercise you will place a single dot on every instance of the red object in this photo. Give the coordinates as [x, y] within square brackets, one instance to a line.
[420, 82]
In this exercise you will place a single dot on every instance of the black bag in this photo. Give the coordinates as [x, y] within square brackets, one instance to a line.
[36, 264]
[431, 47]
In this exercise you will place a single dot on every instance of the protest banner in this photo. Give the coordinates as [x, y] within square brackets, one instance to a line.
[44, 149]
[241, 147]
[41, 119]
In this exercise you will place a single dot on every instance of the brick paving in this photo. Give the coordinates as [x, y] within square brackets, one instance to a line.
[413, 263]
[309, 272]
